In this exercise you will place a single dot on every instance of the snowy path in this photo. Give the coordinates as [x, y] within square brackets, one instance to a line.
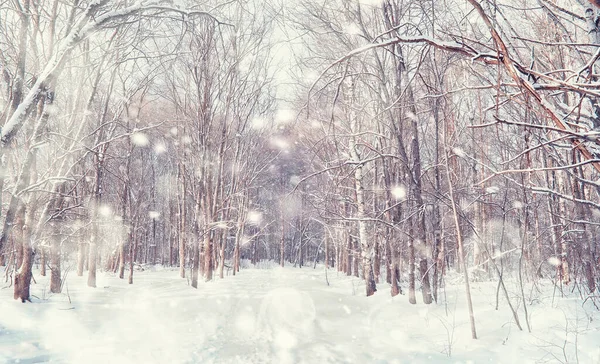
[276, 316]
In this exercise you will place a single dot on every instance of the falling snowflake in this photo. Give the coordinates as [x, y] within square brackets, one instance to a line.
[104, 210]
[139, 139]
[284, 116]
[399, 192]
[258, 122]
[254, 217]
[554, 261]
[459, 152]
[492, 189]
[280, 143]
[160, 148]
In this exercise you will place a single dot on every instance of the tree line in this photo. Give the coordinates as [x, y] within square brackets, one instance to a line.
[413, 137]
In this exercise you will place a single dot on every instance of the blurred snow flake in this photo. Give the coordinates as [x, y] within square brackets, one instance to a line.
[280, 143]
[254, 217]
[517, 204]
[139, 139]
[294, 180]
[399, 192]
[285, 339]
[459, 152]
[284, 116]
[160, 148]
[104, 210]
[186, 140]
[492, 189]
[258, 122]
[554, 261]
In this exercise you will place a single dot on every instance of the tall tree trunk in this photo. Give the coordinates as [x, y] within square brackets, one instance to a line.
[282, 244]
[55, 242]
[301, 247]
[16, 98]
[42, 250]
[584, 239]
[461, 252]
[208, 255]
[254, 252]
[223, 244]
[124, 204]
[181, 191]
[122, 260]
[377, 262]
[326, 250]
[94, 215]
[132, 253]
[339, 253]
[388, 258]
[239, 235]
[24, 275]
[81, 254]
[356, 255]
[395, 274]
[438, 256]
[195, 263]
[366, 246]
[55, 270]
[15, 203]
[348, 254]
[171, 235]
[93, 256]
[420, 230]
[411, 271]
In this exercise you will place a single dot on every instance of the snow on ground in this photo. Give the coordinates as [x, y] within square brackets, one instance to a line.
[287, 315]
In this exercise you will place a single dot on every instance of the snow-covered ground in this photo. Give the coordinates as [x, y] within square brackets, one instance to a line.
[285, 315]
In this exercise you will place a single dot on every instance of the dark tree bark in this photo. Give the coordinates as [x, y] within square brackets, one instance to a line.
[411, 272]
[132, 253]
[94, 217]
[356, 258]
[181, 191]
[55, 252]
[42, 251]
[282, 244]
[24, 275]
[195, 264]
